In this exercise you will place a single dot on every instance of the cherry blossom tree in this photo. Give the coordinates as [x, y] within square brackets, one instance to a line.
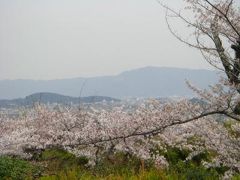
[152, 124]
[214, 27]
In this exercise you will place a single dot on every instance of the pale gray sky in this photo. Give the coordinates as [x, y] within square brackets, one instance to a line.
[49, 39]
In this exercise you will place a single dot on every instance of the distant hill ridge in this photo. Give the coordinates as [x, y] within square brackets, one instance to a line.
[51, 98]
[143, 82]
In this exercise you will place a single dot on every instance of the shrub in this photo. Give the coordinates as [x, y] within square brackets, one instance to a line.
[15, 168]
[119, 163]
[59, 159]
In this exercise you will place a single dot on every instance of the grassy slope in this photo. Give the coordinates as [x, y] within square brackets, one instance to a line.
[55, 164]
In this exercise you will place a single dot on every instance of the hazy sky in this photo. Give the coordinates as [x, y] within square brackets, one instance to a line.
[48, 39]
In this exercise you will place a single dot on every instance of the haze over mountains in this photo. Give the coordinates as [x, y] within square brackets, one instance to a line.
[143, 82]
[53, 98]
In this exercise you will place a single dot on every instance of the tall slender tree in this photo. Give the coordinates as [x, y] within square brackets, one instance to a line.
[215, 32]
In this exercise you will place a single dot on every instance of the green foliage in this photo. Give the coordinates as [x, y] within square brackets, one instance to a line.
[172, 154]
[181, 168]
[114, 166]
[71, 174]
[192, 169]
[121, 164]
[152, 174]
[221, 169]
[63, 157]
[204, 156]
[15, 168]
[62, 165]
[236, 177]
[195, 140]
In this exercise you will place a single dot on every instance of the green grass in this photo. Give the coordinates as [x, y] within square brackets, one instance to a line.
[15, 168]
[58, 164]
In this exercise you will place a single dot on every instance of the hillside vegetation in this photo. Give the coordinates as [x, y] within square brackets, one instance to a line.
[53, 164]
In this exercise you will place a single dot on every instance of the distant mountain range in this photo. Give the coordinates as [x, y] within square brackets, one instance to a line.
[144, 82]
[45, 98]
